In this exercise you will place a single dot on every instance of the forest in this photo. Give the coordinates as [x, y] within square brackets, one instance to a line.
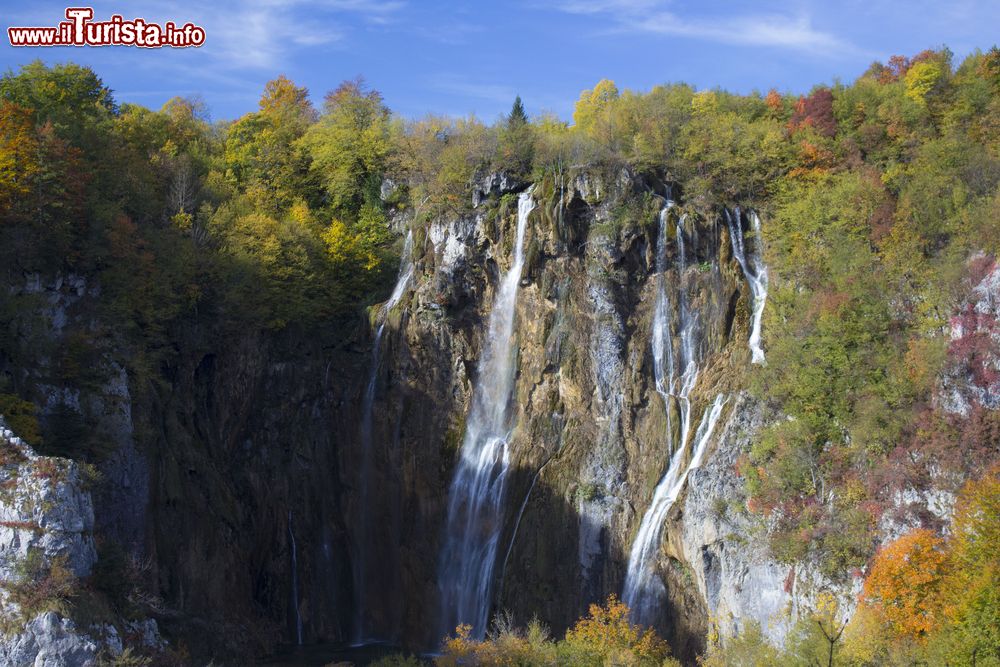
[881, 208]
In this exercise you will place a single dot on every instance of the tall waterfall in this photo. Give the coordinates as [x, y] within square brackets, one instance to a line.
[643, 590]
[361, 583]
[476, 496]
[755, 272]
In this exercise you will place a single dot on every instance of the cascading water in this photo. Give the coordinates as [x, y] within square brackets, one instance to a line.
[643, 589]
[687, 325]
[295, 581]
[367, 406]
[756, 274]
[476, 496]
[663, 349]
[704, 435]
[664, 361]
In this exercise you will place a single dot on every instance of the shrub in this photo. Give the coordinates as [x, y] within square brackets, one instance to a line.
[604, 637]
[40, 587]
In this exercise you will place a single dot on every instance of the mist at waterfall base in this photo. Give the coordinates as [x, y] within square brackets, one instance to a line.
[478, 489]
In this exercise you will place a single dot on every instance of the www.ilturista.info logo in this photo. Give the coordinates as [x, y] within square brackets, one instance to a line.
[80, 30]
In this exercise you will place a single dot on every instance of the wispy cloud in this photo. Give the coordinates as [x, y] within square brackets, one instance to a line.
[793, 32]
[775, 30]
[261, 33]
[252, 35]
[455, 85]
[600, 6]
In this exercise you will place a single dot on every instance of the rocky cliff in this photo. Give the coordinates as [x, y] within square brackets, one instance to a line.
[590, 437]
[236, 469]
[46, 548]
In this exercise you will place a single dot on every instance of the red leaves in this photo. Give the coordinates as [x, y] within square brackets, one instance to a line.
[815, 111]
[976, 348]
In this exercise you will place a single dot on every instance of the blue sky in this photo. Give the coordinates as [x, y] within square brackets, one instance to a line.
[473, 57]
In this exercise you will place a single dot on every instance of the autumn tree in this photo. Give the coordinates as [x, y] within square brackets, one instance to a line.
[262, 155]
[18, 155]
[594, 111]
[606, 635]
[815, 111]
[903, 587]
[971, 587]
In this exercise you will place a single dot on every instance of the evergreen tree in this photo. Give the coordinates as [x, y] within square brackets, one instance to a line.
[517, 117]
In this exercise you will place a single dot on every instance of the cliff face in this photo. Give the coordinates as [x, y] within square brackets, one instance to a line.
[239, 469]
[590, 435]
[240, 456]
[46, 544]
[210, 464]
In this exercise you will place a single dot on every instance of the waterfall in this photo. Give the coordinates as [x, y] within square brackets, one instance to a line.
[663, 349]
[643, 589]
[476, 496]
[664, 361]
[688, 330]
[367, 405]
[756, 274]
[295, 581]
[704, 434]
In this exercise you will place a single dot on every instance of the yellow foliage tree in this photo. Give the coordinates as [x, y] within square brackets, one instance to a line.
[18, 153]
[704, 102]
[921, 80]
[972, 585]
[594, 111]
[608, 634]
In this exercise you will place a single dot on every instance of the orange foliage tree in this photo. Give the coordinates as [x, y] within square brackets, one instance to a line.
[903, 588]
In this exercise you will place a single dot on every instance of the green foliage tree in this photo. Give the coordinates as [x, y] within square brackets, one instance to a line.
[263, 155]
[350, 145]
[516, 141]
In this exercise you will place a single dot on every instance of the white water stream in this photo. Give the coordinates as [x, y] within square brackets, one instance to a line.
[476, 496]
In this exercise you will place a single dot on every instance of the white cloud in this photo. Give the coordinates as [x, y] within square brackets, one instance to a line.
[601, 6]
[260, 34]
[772, 30]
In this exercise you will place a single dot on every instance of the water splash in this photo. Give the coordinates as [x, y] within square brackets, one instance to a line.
[644, 591]
[755, 272]
[476, 496]
[361, 583]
